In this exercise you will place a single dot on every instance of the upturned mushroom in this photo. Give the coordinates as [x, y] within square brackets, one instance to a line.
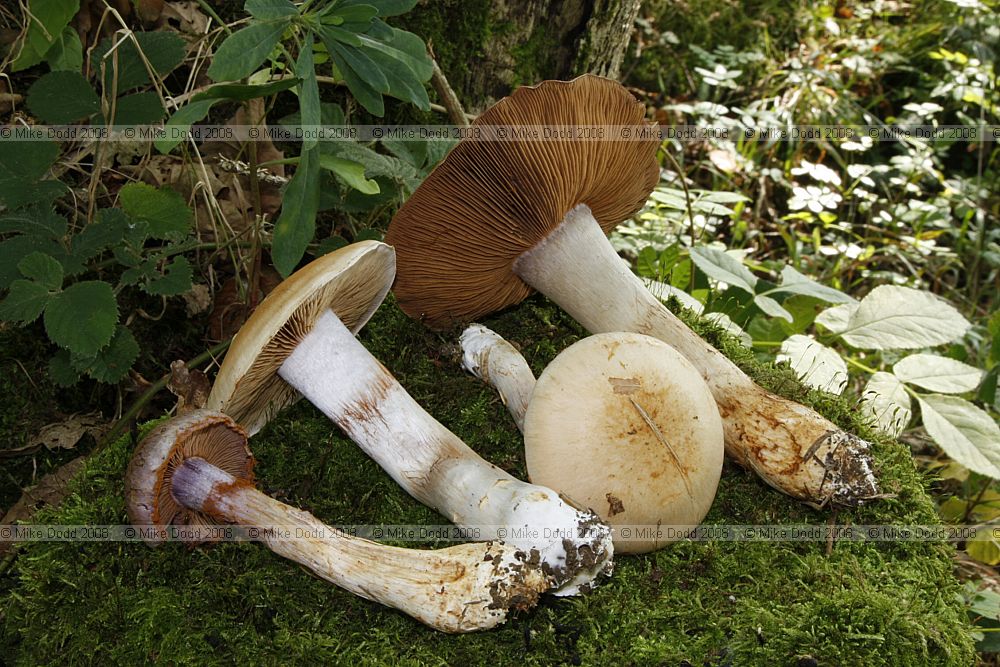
[196, 470]
[619, 422]
[498, 218]
[300, 340]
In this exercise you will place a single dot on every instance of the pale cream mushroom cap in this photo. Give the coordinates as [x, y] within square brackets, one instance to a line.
[623, 424]
[351, 281]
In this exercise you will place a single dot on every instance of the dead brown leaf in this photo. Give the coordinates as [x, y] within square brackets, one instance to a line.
[230, 311]
[65, 434]
[50, 490]
[190, 387]
[186, 18]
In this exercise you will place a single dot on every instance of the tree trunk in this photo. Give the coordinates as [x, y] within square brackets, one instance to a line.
[487, 48]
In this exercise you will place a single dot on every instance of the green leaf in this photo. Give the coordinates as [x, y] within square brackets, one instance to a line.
[817, 365]
[162, 209]
[885, 402]
[796, 283]
[723, 267]
[385, 8]
[243, 52]
[899, 318]
[66, 53]
[726, 323]
[363, 92]
[107, 230]
[82, 317]
[963, 431]
[406, 48]
[350, 172]
[940, 374]
[334, 35]
[663, 291]
[125, 69]
[61, 369]
[24, 302]
[360, 13]
[772, 307]
[14, 249]
[270, 9]
[139, 109]
[48, 20]
[112, 362]
[38, 220]
[182, 119]
[836, 319]
[42, 269]
[62, 97]
[176, 279]
[308, 92]
[22, 164]
[297, 223]
[402, 81]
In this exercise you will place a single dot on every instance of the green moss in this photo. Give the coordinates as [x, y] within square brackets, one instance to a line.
[750, 603]
[533, 57]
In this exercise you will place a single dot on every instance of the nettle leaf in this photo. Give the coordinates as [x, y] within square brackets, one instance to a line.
[723, 267]
[351, 173]
[270, 9]
[161, 208]
[794, 282]
[42, 269]
[836, 319]
[61, 369]
[963, 431]
[242, 53]
[885, 401]
[297, 223]
[817, 365]
[113, 361]
[62, 97]
[124, 69]
[940, 374]
[24, 302]
[901, 318]
[176, 279]
[48, 20]
[82, 317]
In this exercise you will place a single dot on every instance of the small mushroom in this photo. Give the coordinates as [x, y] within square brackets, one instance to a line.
[196, 469]
[300, 340]
[498, 218]
[619, 422]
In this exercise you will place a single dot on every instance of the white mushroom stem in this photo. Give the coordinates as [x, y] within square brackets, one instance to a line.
[458, 589]
[498, 363]
[790, 446]
[341, 378]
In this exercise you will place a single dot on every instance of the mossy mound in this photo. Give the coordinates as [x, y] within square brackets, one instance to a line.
[722, 603]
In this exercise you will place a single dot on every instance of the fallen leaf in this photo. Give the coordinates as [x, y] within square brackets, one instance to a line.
[50, 490]
[67, 433]
[190, 387]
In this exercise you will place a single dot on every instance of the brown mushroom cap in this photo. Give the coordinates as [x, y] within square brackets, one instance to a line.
[457, 237]
[202, 433]
[623, 424]
[351, 281]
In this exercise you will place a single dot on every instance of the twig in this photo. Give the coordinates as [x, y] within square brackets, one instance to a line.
[448, 96]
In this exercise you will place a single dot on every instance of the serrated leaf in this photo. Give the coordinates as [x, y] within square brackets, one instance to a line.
[42, 269]
[176, 279]
[886, 402]
[22, 165]
[143, 108]
[124, 69]
[24, 302]
[82, 317]
[723, 267]
[297, 223]
[35, 220]
[794, 282]
[243, 52]
[772, 307]
[817, 365]
[350, 172]
[836, 319]
[61, 369]
[940, 374]
[901, 318]
[62, 97]
[108, 229]
[14, 249]
[963, 432]
[161, 208]
[270, 9]
[112, 362]
[48, 19]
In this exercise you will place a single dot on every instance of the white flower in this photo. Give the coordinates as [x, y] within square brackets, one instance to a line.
[925, 109]
[813, 198]
[860, 173]
[821, 173]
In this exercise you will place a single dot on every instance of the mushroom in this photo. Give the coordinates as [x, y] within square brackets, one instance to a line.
[196, 470]
[300, 340]
[497, 219]
[619, 422]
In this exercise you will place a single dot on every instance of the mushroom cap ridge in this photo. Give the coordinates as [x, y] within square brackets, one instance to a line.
[351, 281]
[489, 201]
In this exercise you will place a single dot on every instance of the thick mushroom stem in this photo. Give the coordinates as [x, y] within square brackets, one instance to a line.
[498, 363]
[458, 589]
[341, 378]
[791, 447]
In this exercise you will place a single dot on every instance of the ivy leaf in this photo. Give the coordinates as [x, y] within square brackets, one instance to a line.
[963, 431]
[42, 269]
[297, 223]
[350, 172]
[940, 374]
[125, 69]
[901, 318]
[24, 302]
[817, 365]
[82, 317]
[723, 267]
[162, 209]
[62, 97]
[112, 362]
[176, 279]
[885, 401]
[244, 51]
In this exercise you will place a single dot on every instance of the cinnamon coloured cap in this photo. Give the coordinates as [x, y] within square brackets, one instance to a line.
[202, 433]
[351, 281]
[458, 235]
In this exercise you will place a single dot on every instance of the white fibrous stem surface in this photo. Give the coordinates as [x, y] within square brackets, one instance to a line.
[457, 589]
[341, 378]
[791, 447]
[498, 363]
